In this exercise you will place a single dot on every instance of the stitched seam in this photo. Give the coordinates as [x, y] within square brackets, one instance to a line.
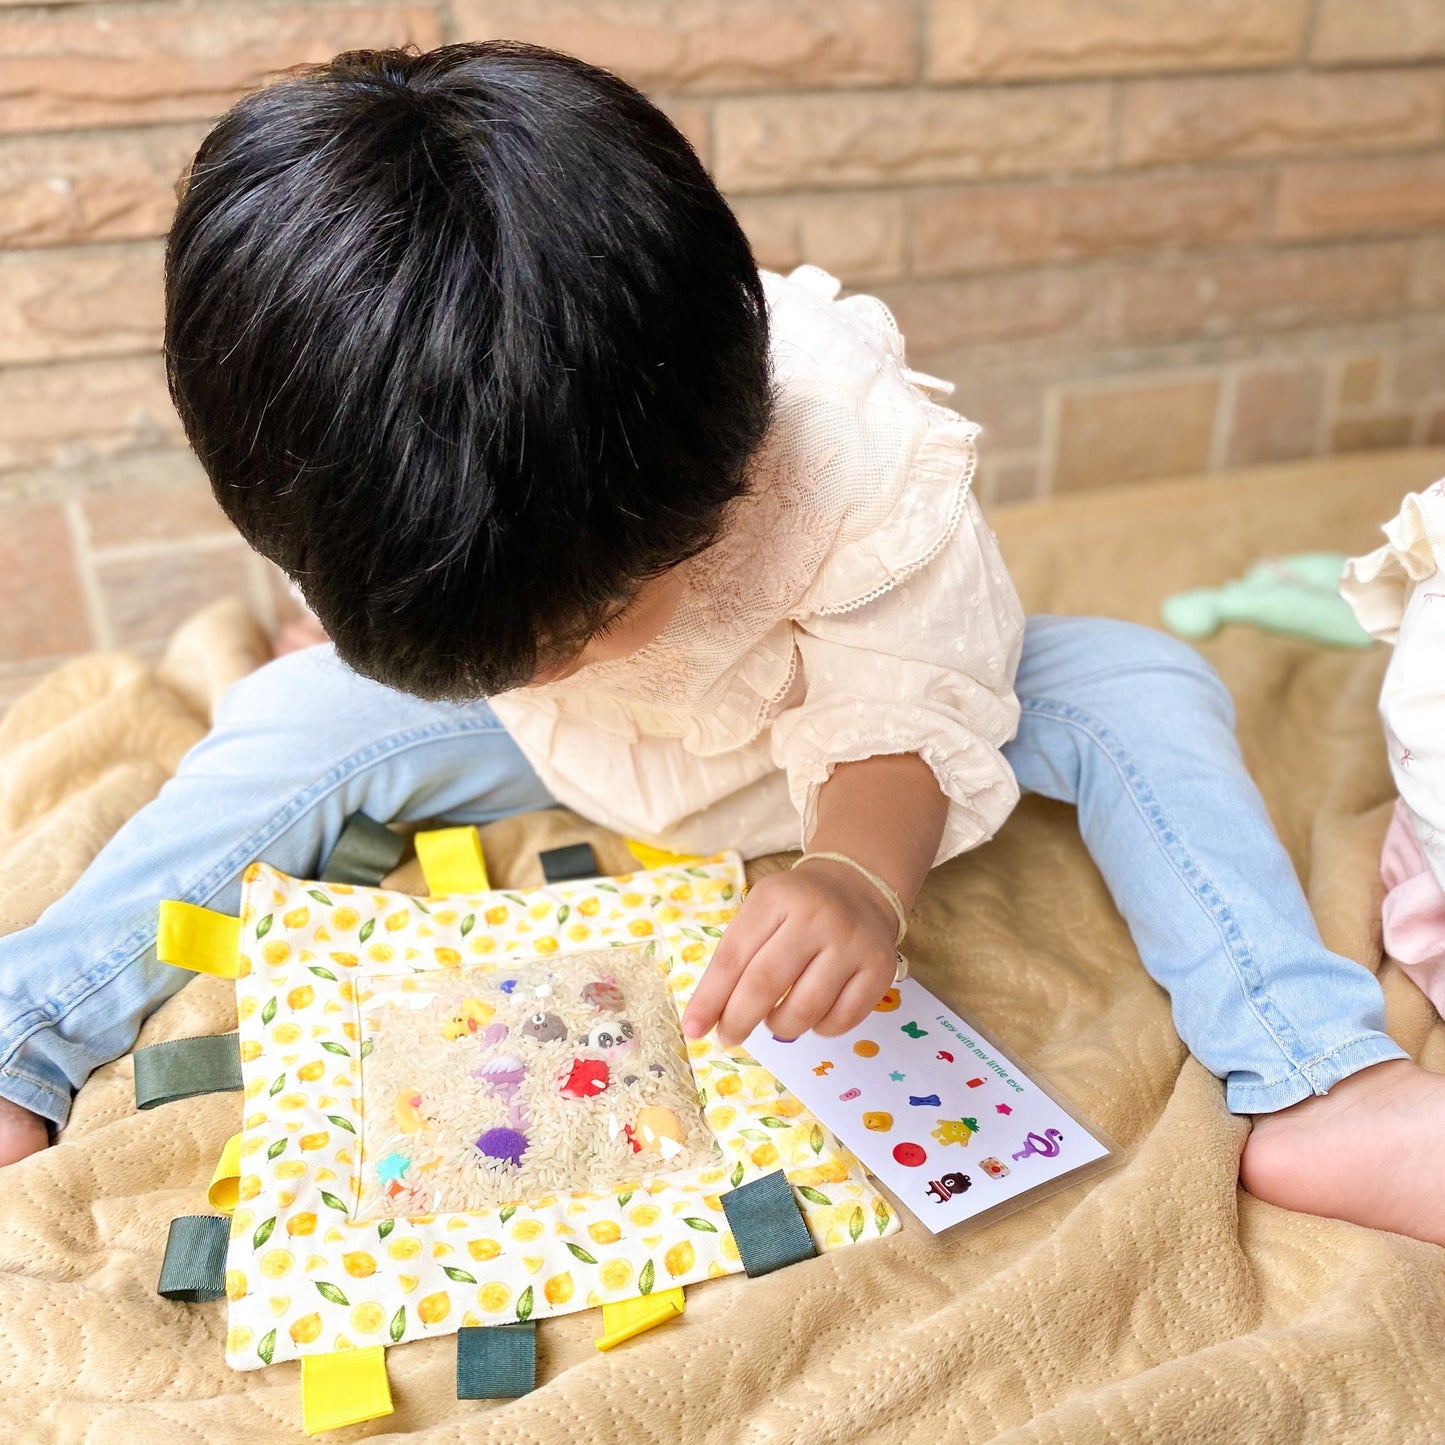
[204, 889]
[1231, 935]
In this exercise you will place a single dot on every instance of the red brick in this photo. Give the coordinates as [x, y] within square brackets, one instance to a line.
[1007, 480]
[779, 143]
[938, 318]
[1246, 117]
[122, 404]
[694, 119]
[1011, 415]
[714, 45]
[1261, 292]
[147, 598]
[1420, 372]
[857, 237]
[1349, 32]
[60, 304]
[68, 69]
[1434, 429]
[1018, 39]
[985, 228]
[59, 189]
[1131, 433]
[1428, 288]
[1373, 433]
[1276, 415]
[157, 514]
[1360, 380]
[42, 608]
[1376, 197]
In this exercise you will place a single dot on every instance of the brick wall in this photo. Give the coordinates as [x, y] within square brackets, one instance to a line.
[1145, 237]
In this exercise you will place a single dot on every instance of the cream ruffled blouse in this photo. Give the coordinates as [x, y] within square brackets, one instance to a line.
[1399, 596]
[855, 605]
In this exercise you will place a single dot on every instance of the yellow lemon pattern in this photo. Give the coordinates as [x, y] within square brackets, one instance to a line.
[308, 1270]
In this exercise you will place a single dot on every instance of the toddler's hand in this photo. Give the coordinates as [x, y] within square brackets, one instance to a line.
[819, 934]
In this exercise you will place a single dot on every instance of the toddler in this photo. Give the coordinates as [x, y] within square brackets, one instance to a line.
[470, 345]
[1394, 592]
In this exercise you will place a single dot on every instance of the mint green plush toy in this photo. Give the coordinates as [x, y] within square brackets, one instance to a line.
[1298, 596]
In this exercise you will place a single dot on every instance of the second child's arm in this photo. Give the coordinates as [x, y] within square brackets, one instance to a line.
[813, 948]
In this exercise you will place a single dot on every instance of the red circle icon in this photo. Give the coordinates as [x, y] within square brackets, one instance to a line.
[909, 1155]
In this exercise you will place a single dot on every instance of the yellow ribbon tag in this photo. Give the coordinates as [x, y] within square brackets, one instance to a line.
[452, 860]
[630, 1317]
[225, 1190]
[651, 857]
[343, 1388]
[199, 939]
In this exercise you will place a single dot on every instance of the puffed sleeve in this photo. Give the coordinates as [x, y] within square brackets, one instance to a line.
[927, 667]
[1398, 594]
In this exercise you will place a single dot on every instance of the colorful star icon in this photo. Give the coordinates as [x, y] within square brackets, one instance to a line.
[897, 1077]
[390, 1169]
[1003, 1108]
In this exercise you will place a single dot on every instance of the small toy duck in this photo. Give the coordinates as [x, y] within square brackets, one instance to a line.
[471, 1015]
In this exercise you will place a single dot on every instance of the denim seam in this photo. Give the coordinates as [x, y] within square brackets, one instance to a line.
[1231, 935]
[211, 882]
[1379, 1043]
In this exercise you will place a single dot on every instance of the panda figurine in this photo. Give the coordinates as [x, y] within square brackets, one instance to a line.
[607, 1036]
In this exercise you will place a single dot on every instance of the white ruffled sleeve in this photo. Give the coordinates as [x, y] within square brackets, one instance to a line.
[925, 668]
[1398, 595]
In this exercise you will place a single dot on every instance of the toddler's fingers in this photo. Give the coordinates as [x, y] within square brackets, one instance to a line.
[773, 970]
[858, 999]
[744, 936]
[810, 999]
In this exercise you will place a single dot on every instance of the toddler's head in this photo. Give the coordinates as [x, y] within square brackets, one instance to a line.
[470, 345]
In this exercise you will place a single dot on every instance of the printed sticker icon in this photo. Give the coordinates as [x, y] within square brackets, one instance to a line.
[994, 1168]
[910, 1155]
[913, 1031]
[944, 1189]
[1046, 1145]
[927, 1101]
[823, 1068]
[888, 1002]
[879, 1123]
[955, 1131]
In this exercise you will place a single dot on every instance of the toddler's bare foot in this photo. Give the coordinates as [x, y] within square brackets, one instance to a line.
[1371, 1151]
[21, 1132]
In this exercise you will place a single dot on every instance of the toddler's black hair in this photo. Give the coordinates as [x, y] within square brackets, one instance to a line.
[469, 344]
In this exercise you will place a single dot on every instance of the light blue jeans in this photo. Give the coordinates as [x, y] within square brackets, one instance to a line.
[1133, 728]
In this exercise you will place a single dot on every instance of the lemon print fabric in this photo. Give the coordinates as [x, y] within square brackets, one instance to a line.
[481, 1110]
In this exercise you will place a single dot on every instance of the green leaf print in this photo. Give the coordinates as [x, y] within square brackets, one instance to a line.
[816, 1138]
[516, 898]
[459, 1275]
[398, 1324]
[744, 1060]
[342, 1123]
[606, 888]
[812, 1195]
[329, 1291]
[768, 1121]
[269, 1012]
[706, 1226]
[855, 1223]
[579, 1253]
[334, 1048]
[623, 1198]
[267, 1348]
[278, 1085]
[524, 1303]
[264, 926]
[881, 1215]
[366, 1047]
[263, 1233]
[647, 1278]
[563, 914]
[468, 923]
[506, 1214]
[385, 1228]
[737, 1174]
[279, 1147]
[367, 929]
[333, 1202]
[422, 906]
[319, 896]
[756, 1135]
[320, 972]
[712, 930]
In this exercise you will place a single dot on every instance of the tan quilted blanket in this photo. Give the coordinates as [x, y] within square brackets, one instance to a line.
[1157, 1303]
